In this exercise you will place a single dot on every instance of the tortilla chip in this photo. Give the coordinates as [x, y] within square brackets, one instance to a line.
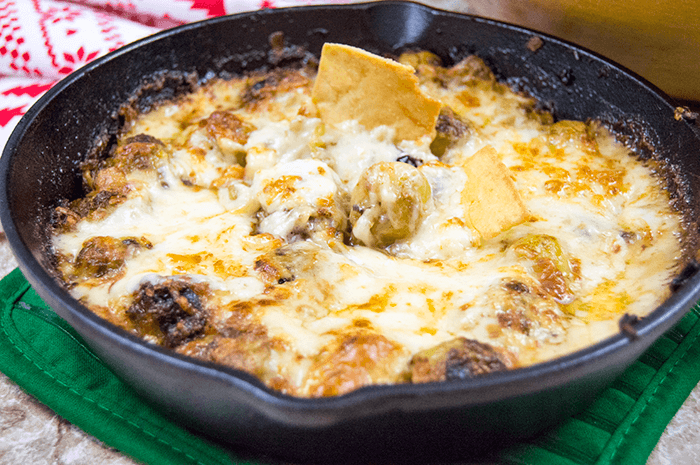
[353, 84]
[491, 201]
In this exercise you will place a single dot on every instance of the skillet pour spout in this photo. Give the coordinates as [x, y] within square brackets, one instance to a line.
[41, 164]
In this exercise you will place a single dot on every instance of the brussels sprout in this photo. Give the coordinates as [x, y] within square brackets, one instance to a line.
[388, 203]
[173, 311]
[417, 59]
[577, 133]
[103, 257]
[141, 152]
[459, 358]
[555, 270]
[450, 128]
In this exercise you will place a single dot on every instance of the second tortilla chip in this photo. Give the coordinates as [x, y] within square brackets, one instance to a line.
[353, 84]
[490, 198]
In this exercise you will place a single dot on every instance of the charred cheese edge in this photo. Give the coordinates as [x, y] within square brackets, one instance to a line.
[234, 226]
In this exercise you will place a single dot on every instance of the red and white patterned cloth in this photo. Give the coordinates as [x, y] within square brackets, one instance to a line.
[42, 41]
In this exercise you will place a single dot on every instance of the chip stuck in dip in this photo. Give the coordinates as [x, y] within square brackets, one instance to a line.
[367, 221]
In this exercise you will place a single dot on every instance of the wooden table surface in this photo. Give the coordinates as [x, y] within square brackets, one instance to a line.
[657, 39]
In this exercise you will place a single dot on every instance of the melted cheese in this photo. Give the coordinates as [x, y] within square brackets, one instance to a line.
[270, 242]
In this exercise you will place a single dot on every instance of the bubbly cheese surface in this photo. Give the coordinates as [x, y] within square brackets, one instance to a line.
[234, 226]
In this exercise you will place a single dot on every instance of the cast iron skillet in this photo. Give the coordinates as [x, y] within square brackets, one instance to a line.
[40, 165]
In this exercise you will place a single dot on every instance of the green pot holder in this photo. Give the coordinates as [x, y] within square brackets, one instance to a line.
[42, 354]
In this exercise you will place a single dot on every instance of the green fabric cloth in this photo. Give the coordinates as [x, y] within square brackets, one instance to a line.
[47, 358]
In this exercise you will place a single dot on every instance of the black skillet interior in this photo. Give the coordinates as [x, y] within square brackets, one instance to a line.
[40, 165]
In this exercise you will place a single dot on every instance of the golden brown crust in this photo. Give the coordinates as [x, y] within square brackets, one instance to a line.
[358, 360]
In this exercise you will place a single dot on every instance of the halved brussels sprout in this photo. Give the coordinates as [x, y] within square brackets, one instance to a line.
[555, 270]
[459, 358]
